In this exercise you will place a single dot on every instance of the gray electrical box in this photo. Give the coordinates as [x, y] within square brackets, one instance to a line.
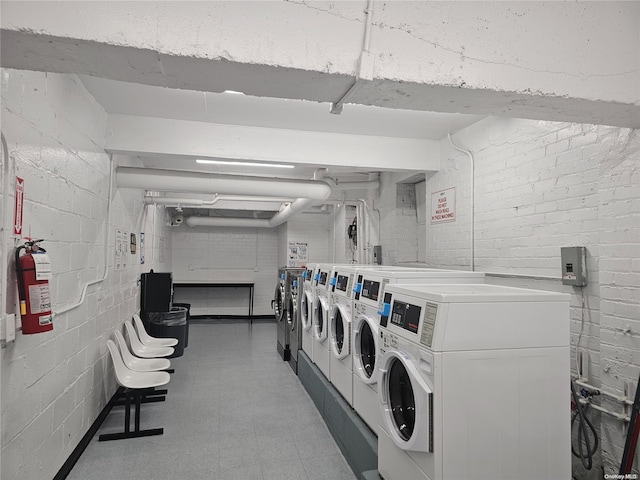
[574, 266]
[377, 254]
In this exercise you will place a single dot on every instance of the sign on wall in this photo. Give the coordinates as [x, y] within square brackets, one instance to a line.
[298, 254]
[122, 249]
[443, 206]
[19, 205]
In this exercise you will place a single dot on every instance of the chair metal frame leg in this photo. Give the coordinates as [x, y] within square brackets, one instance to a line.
[136, 396]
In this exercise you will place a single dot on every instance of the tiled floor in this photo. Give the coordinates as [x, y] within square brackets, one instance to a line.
[234, 410]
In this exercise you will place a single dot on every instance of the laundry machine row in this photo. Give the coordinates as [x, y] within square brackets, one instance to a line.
[286, 277]
[293, 319]
[369, 290]
[473, 383]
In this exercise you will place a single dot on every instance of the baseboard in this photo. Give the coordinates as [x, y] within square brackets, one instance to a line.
[358, 443]
[209, 318]
[66, 468]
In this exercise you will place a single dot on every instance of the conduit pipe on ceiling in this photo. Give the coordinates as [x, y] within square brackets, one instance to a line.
[308, 191]
[365, 59]
[5, 215]
[202, 203]
[209, 183]
[298, 205]
[473, 200]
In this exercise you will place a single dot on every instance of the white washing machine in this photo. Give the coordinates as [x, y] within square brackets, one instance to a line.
[294, 327]
[278, 305]
[473, 383]
[321, 318]
[340, 331]
[367, 301]
[306, 309]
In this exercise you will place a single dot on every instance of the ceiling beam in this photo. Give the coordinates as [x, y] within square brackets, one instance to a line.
[144, 136]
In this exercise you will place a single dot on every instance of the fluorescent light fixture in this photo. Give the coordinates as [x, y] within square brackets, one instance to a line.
[234, 92]
[244, 164]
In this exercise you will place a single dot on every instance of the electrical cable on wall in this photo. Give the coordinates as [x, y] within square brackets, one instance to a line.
[586, 447]
[352, 233]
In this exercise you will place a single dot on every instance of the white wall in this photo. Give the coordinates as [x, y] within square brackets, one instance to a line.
[541, 186]
[398, 226]
[55, 384]
[225, 255]
[316, 230]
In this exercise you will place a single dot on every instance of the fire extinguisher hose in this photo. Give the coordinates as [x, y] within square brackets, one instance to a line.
[21, 292]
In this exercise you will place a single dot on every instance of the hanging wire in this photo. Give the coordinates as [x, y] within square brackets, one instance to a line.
[584, 450]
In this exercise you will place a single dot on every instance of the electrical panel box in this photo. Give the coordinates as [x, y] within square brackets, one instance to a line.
[377, 254]
[574, 266]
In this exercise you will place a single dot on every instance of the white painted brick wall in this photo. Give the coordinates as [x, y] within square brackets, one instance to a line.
[243, 255]
[55, 384]
[315, 229]
[541, 186]
[225, 255]
[398, 232]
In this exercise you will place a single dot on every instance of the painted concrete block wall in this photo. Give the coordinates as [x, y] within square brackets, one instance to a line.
[541, 186]
[55, 384]
[315, 229]
[468, 47]
[398, 219]
[225, 255]
[619, 263]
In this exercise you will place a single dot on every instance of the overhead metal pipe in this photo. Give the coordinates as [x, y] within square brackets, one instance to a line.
[210, 183]
[226, 222]
[298, 205]
[204, 203]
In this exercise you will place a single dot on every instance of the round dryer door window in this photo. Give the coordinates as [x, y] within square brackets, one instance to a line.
[292, 312]
[402, 401]
[340, 328]
[278, 303]
[306, 312]
[406, 401]
[365, 348]
[321, 311]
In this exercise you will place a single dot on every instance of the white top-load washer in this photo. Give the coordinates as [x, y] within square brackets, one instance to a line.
[367, 301]
[306, 309]
[473, 383]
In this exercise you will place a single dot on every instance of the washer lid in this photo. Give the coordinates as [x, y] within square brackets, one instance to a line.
[476, 293]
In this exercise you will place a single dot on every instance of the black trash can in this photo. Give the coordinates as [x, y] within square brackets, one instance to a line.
[188, 307]
[171, 324]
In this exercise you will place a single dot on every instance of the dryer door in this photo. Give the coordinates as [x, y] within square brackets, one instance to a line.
[365, 348]
[320, 318]
[340, 331]
[278, 303]
[406, 401]
[306, 312]
[292, 311]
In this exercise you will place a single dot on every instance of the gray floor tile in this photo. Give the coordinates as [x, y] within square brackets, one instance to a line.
[278, 469]
[227, 416]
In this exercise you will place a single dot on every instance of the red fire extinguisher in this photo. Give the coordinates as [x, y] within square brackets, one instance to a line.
[34, 271]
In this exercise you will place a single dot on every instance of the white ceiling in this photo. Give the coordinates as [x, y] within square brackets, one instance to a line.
[125, 98]
[237, 109]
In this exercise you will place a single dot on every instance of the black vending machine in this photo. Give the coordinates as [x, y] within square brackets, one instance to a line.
[160, 316]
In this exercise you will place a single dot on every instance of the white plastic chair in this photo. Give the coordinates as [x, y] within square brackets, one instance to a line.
[136, 384]
[139, 364]
[147, 339]
[144, 351]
